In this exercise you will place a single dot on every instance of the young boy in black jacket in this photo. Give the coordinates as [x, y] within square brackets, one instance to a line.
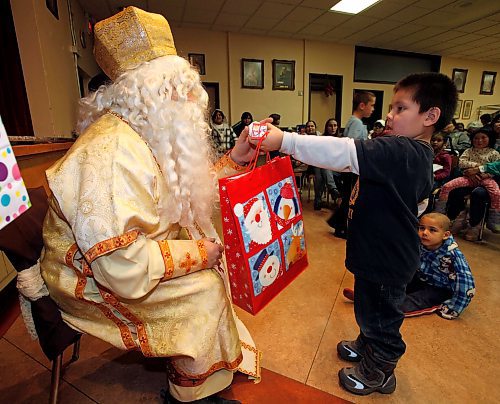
[395, 175]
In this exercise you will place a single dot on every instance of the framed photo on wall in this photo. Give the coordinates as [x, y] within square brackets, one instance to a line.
[252, 73]
[467, 111]
[197, 60]
[488, 83]
[283, 74]
[459, 77]
[458, 110]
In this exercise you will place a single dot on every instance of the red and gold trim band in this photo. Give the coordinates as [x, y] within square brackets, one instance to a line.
[226, 161]
[203, 254]
[112, 244]
[167, 259]
[181, 378]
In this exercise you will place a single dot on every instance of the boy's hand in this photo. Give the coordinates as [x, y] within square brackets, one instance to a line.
[273, 139]
[214, 251]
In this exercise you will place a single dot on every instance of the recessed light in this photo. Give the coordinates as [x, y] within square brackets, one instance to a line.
[353, 6]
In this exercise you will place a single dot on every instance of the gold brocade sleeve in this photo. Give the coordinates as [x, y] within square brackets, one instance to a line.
[182, 257]
[226, 167]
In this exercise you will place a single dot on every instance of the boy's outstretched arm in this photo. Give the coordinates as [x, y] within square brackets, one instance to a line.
[338, 154]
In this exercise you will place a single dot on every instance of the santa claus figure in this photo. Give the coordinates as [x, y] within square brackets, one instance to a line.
[256, 222]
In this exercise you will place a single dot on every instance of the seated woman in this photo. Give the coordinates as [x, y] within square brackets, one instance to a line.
[482, 152]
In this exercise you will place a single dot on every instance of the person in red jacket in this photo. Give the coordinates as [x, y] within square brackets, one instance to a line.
[441, 158]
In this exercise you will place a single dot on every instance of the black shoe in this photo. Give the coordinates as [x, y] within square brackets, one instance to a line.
[362, 382]
[331, 221]
[350, 351]
[213, 399]
[341, 234]
[317, 206]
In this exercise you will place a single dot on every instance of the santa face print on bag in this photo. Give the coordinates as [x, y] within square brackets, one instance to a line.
[284, 201]
[253, 217]
[265, 267]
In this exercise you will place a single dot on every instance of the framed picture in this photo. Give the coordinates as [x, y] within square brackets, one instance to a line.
[458, 110]
[197, 60]
[283, 74]
[488, 83]
[467, 111]
[252, 73]
[52, 6]
[459, 76]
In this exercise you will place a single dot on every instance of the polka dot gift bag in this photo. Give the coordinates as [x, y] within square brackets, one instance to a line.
[13, 195]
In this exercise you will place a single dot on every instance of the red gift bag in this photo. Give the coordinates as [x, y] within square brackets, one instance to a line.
[263, 232]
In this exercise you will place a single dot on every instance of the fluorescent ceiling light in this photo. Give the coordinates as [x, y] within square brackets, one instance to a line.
[353, 6]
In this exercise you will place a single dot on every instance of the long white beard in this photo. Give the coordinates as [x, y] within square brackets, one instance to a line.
[184, 154]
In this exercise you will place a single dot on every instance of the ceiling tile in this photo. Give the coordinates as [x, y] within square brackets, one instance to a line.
[315, 29]
[409, 14]
[273, 10]
[224, 19]
[385, 8]
[324, 5]
[493, 30]
[433, 4]
[234, 7]
[262, 24]
[206, 5]
[285, 26]
[478, 25]
[199, 16]
[375, 30]
[301, 14]
[333, 19]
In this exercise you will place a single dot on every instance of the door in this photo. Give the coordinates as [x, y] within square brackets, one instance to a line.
[325, 98]
[213, 96]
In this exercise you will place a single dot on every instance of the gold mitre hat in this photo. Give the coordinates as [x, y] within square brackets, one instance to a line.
[132, 36]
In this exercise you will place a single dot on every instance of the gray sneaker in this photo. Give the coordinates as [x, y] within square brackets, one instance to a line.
[351, 351]
[362, 383]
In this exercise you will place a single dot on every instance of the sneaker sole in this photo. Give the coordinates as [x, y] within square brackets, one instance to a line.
[384, 389]
[421, 312]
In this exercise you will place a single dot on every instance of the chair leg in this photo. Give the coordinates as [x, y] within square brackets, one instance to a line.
[55, 379]
[483, 220]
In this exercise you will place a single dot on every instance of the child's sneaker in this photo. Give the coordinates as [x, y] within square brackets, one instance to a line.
[360, 381]
[472, 233]
[350, 351]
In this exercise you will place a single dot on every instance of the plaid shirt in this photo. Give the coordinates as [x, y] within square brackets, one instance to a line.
[447, 268]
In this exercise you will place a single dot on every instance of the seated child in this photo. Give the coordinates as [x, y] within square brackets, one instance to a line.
[442, 158]
[443, 284]
[482, 152]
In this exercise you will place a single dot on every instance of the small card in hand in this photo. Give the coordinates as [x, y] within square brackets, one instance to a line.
[256, 130]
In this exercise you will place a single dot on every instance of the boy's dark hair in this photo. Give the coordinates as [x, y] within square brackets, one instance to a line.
[361, 97]
[488, 131]
[485, 119]
[432, 90]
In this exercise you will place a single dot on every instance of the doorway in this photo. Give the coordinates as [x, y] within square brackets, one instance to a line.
[212, 90]
[325, 98]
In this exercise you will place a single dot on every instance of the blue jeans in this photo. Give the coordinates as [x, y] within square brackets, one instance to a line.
[377, 308]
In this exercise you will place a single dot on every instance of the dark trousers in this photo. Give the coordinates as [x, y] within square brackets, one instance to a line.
[377, 308]
[339, 219]
[421, 295]
[479, 199]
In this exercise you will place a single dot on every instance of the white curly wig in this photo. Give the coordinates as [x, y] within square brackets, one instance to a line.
[163, 100]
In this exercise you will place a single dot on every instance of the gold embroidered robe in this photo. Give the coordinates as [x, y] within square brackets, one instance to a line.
[120, 272]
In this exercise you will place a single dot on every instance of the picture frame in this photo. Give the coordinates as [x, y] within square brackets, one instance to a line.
[467, 110]
[283, 74]
[52, 7]
[252, 73]
[488, 83]
[197, 60]
[458, 110]
[459, 77]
